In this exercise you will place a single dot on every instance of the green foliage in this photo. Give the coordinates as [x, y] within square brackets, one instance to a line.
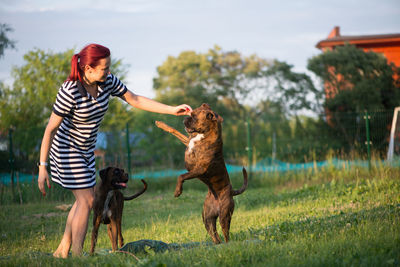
[359, 80]
[5, 42]
[221, 79]
[26, 106]
[296, 91]
[356, 81]
[155, 148]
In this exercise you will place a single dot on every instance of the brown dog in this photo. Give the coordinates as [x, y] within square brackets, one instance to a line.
[109, 204]
[204, 160]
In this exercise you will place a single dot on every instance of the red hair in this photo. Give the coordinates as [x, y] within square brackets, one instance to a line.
[89, 55]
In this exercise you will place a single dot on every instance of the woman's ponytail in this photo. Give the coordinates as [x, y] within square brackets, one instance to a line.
[75, 74]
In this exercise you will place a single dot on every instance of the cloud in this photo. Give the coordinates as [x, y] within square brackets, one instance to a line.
[119, 6]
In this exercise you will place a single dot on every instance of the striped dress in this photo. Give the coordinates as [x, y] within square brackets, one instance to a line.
[72, 158]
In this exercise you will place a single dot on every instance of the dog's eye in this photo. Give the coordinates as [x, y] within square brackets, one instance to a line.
[116, 171]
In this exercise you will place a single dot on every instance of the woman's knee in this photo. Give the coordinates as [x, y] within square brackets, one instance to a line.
[90, 201]
[85, 197]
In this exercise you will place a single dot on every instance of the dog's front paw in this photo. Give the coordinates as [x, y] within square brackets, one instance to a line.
[178, 192]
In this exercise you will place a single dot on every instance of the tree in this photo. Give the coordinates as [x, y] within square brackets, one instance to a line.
[5, 42]
[296, 91]
[222, 79]
[358, 80]
[26, 106]
[355, 81]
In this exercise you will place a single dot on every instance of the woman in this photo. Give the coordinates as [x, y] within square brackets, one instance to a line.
[71, 132]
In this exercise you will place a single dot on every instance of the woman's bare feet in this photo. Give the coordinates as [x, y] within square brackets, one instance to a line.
[62, 250]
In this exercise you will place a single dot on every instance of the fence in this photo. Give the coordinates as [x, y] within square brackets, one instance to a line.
[253, 141]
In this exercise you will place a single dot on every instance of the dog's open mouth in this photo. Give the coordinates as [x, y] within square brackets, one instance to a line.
[122, 185]
[192, 130]
[189, 130]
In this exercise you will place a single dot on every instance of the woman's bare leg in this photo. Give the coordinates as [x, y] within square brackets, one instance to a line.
[84, 199]
[77, 223]
[65, 244]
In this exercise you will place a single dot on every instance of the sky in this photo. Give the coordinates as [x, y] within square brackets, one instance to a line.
[143, 33]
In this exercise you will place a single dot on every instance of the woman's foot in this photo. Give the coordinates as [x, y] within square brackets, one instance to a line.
[62, 250]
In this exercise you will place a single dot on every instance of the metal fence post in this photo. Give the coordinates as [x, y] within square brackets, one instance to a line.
[368, 142]
[128, 149]
[249, 147]
[11, 161]
[274, 146]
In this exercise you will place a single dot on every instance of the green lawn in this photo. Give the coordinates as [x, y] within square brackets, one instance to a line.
[328, 217]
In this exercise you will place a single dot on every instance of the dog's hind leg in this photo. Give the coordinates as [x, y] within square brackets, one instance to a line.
[226, 207]
[210, 215]
[225, 217]
[211, 226]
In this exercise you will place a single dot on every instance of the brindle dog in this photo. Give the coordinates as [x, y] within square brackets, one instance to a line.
[204, 160]
[109, 204]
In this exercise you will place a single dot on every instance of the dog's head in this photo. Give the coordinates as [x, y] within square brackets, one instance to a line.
[115, 178]
[202, 120]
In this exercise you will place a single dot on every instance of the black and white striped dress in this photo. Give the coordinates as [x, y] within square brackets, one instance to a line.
[72, 158]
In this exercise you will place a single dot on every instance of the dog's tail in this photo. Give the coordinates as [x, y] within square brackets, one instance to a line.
[138, 193]
[244, 186]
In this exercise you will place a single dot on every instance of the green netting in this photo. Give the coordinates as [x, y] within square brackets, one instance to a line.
[264, 166]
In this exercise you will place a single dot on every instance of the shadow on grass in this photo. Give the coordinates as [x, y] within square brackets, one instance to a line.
[147, 246]
[255, 198]
[315, 226]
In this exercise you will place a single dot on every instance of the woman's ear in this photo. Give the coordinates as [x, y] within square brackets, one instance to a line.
[87, 68]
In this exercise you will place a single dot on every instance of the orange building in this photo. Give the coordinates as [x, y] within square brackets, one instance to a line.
[387, 44]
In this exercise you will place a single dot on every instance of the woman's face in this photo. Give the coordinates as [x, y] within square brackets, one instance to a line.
[98, 73]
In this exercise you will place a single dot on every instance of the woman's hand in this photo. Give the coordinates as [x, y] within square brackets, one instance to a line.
[182, 110]
[43, 177]
[51, 129]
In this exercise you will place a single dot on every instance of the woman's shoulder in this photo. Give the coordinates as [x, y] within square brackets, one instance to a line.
[110, 77]
[111, 80]
[68, 84]
[70, 87]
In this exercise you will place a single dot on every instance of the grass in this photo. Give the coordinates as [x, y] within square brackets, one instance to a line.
[329, 217]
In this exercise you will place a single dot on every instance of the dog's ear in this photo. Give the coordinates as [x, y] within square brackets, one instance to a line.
[103, 173]
[205, 105]
[214, 117]
[219, 118]
[210, 116]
